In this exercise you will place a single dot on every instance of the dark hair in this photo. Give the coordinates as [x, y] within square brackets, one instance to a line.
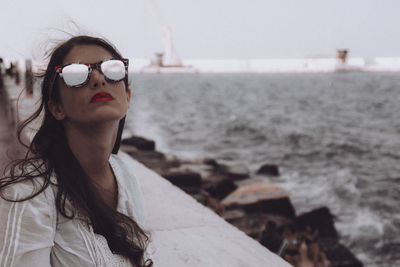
[49, 152]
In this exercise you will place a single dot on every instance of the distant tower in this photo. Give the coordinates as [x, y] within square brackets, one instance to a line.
[159, 60]
[342, 55]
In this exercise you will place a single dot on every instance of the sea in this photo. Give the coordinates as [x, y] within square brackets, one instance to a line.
[334, 136]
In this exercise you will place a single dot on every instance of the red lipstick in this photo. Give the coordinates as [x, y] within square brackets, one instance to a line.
[101, 97]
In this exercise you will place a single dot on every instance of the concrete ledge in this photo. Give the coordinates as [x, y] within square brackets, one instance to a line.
[186, 233]
[183, 232]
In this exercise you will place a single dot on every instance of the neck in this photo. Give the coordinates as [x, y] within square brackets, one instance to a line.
[92, 146]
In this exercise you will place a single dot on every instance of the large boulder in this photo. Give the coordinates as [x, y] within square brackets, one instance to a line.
[321, 219]
[281, 206]
[220, 186]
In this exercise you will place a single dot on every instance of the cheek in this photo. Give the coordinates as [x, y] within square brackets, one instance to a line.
[66, 99]
[122, 93]
[71, 101]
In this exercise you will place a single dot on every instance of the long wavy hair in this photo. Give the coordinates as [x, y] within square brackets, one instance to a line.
[50, 153]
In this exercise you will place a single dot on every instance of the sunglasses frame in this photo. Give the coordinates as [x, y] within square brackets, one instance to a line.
[92, 66]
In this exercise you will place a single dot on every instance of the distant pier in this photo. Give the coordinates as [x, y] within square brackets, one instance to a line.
[9, 145]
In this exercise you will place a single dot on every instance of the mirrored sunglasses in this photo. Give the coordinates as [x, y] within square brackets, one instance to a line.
[78, 74]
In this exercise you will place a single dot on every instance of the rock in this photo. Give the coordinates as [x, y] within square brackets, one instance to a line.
[321, 219]
[198, 167]
[271, 238]
[252, 223]
[220, 187]
[269, 169]
[249, 224]
[234, 214]
[211, 162]
[337, 254]
[236, 171]
[192, 190]
[183, 178]
[282, 207]
[145, 155]
[140, 143]
[152, 159]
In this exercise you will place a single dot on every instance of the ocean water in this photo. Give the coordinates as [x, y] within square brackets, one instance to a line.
[335, 137]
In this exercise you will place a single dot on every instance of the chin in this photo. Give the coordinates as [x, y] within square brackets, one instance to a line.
[104, 118]
[108, 114]
[108, 117]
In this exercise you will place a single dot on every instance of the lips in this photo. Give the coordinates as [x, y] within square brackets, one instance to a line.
[101, 97]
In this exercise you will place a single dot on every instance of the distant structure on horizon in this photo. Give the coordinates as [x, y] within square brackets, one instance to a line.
[342, 55]
[342, 64]
[168, 61]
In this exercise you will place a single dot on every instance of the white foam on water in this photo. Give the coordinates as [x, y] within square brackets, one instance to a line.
[358, 226]
[345, 184]
[361, 223]
[308, 193]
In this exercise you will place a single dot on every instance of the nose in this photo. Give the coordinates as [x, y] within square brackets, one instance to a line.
[96, 79]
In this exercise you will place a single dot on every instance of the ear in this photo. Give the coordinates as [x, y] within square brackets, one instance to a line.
[57, 110]
[128, 95]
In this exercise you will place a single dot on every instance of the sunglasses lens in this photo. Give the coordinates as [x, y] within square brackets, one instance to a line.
[113, 69]
[75, 74]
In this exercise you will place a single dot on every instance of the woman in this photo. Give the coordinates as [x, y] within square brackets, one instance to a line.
[71, 200]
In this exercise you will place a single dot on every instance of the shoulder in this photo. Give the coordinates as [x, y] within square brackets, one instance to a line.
[120, 160]
[26, 183]
[27, 227]
[29, 191]
[124, 171]
[27, 186]
[32, 210]
[123, 168]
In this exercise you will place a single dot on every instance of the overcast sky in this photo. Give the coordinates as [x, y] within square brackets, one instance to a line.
[209, 29]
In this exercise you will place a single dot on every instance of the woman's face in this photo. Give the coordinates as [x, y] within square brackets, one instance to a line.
[81, 105]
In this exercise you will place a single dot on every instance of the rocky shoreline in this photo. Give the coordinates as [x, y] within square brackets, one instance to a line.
[267, 221]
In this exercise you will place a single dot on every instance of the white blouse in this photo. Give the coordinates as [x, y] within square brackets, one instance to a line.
[34, 233]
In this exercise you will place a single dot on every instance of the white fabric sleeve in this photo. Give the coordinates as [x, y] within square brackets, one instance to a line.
[26, 228]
